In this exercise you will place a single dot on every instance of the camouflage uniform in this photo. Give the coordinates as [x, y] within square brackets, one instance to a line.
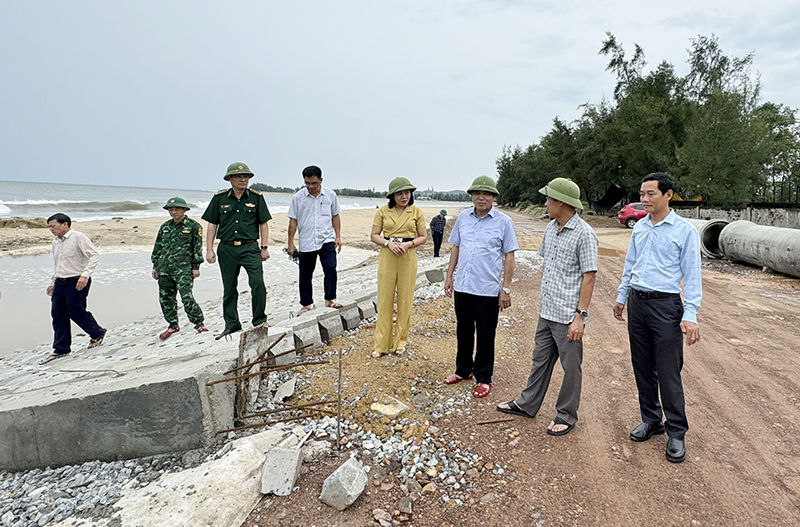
[178, 251]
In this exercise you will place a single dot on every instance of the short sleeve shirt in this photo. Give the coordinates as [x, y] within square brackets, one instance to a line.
[238, 219]
[482, 244]
[406, 225]
[314, 217]
[567, 254]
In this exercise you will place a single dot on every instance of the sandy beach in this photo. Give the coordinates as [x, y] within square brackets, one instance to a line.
[123, 291]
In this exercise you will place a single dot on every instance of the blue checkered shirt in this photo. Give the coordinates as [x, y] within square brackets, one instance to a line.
[567, 255]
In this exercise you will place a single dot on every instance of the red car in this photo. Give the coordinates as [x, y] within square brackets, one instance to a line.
[630, 214]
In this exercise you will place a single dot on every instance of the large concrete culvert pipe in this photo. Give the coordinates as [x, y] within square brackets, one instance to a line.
[709, 236]
[774, 247]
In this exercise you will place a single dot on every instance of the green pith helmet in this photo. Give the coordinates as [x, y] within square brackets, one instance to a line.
[564, 190]
[484, 183]
[443, 212]
[177, 202]
[398, 184]
[237, 168]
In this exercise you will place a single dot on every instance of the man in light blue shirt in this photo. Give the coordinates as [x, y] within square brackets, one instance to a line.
[480, 271]
[664, 250]
[314, 214]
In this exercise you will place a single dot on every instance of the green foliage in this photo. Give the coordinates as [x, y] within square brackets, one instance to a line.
[708, 129]
[263, 187]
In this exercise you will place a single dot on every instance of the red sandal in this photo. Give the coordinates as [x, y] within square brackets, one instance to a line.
[453, 378]
[482, 390]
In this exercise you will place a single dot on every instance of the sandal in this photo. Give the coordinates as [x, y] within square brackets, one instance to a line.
[332, 303]
[305, 309]
[52, 357]
[559, 421]
[93, 343]
[482, 390]
[453, 378]
[168, 333]
[400, 350]
[377, 354]
[513, 409]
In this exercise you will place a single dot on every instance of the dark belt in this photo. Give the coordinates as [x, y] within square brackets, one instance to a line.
[237, 242]
[69, 278]
[402, 239]
[649, 295]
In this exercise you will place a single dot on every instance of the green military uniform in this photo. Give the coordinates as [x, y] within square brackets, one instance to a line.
[177, 252]
[239, 221]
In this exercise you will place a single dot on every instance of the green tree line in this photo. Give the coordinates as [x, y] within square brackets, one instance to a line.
[709, 130]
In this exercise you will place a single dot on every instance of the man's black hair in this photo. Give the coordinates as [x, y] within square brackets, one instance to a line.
[311, 171]
[664, 181]
[393, 203]
[60, 217]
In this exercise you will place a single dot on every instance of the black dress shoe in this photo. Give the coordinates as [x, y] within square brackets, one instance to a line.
[225, 333]
[676, 450]
[645, 431]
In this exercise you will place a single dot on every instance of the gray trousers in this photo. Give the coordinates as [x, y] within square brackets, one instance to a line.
[552, 344]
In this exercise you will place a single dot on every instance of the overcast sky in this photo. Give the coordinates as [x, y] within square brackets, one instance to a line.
[167, 94]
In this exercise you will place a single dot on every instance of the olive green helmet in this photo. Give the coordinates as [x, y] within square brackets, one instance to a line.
[564, 190]
[398, 184]
[484, 183]
[237, 168]
[177, 202]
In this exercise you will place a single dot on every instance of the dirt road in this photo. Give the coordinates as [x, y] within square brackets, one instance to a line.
[742, 386]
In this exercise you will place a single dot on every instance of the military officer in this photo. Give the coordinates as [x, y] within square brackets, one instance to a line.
[177, 255]
[238, 216]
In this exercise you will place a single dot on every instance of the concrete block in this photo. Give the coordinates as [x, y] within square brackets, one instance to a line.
[286, 344]
[252, 343]
[330, 324]
[306, 331]
[345, 485]
[435, 275]
[285, 390]
[281, 468]
[351, 318]
[366, 306]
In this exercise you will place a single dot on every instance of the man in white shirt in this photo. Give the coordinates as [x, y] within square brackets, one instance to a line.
[75, 260]
[314, 216]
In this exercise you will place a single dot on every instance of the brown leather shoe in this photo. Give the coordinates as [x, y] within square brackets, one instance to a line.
[168, 333]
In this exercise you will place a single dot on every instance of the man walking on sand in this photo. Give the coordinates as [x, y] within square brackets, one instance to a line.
[569, 255]
[664, 249]
[75, 259]
[314, 217]
[177, 255]
[238, 216]
[482, 259]
[438, 223]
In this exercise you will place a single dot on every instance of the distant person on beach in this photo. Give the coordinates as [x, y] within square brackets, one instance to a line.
[399, 228]
[664, 250]
[75, 259]
[314, 217]
[238, 216]
[569, 255]
[437, 231]
[177, 255]
[482, 260]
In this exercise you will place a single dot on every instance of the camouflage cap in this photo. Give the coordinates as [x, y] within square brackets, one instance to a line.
[177, 202]
[237, 168]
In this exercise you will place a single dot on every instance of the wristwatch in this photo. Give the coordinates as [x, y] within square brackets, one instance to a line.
[265, 247]
[582, 313]
[507, 290]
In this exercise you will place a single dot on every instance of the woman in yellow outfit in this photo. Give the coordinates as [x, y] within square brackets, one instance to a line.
[399, 228]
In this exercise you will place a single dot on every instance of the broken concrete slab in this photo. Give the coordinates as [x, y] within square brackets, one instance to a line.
[285, 390]
[345, 485]
[389, 410]
[285, 344]
[330, 324]
[435, 275]
[251, 344]
[306, 331]
[351, 317]
[280, 471]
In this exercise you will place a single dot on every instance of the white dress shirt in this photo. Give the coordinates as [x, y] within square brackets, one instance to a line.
[74, 255]
[314, 218]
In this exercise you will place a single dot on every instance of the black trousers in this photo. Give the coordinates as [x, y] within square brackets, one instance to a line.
[437, 242]
[657, 356]
[67, 303]
[307, 264]
[476, 316]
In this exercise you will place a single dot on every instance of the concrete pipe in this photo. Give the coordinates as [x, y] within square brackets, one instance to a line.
[709, 236]
[774, 247]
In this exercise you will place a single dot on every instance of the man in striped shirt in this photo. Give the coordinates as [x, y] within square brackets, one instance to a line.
[569, 266]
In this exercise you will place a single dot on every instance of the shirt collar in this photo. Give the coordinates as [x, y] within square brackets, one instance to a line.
[308, 194]
[669, 218]
[490, 213]
[66, 235]
[246, 193]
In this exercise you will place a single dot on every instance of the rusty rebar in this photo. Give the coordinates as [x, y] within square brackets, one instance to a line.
[265, 371]
[288, 409]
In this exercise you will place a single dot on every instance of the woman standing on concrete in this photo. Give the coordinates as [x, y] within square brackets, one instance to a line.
[399, 228]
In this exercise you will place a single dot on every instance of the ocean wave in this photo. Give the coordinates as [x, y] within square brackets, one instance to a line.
[4, 211]
[125, 206]
[41, 202]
